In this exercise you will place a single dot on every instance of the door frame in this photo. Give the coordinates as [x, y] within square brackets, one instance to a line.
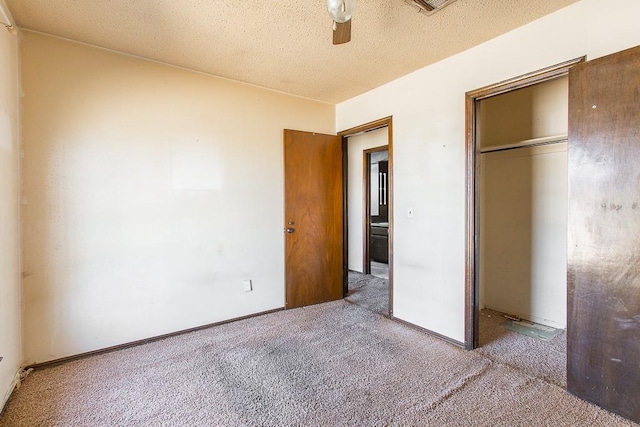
[472, 173]
[345, 134]
[366, 203]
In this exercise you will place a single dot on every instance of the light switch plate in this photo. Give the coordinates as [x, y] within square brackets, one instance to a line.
[410, 213]
[247, 286]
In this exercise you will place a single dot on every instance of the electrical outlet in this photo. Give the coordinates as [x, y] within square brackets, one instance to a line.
[410, 213]
[247, 286]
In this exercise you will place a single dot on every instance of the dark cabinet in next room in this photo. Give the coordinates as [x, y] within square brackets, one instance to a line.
[379, 244]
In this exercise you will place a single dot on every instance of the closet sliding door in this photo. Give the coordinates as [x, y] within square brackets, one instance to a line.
[603, 334]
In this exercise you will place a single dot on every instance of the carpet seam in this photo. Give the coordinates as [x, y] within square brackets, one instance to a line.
[449, 394]
[521, 371]
[361, 306]
[464, 383]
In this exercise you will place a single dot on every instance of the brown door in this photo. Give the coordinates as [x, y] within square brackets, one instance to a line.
[603, 330]
[313, 216]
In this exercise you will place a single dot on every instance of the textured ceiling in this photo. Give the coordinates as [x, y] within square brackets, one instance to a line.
[282, 45]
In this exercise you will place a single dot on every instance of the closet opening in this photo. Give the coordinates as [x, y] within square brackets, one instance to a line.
[522, 195]
[517, 201]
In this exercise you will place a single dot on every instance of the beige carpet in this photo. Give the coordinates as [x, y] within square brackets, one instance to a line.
[546, 360]
[335, 364]
[369, 292]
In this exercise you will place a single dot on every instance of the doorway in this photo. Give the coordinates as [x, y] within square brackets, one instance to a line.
[510, 198]
[369, 248]
[376, 211]
[602, 283]
[523, 205]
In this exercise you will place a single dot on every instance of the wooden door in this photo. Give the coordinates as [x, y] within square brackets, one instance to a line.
[603, 330]
[313, 216]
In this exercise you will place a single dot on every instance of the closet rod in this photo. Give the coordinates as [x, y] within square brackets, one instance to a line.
[526, 144]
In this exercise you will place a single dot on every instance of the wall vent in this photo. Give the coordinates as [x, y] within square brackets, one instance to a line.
[430, 6]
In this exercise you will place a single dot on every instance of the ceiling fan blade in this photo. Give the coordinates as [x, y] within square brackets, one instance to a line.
[342, 32]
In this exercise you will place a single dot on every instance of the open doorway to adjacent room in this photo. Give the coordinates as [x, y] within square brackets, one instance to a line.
[369, 224]
[376, 212]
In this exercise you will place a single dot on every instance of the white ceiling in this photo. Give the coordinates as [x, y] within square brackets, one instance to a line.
[282, 45]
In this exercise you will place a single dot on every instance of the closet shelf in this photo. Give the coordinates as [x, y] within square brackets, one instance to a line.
[527, 143]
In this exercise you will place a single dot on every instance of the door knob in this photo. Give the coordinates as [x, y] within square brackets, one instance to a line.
[289, 229]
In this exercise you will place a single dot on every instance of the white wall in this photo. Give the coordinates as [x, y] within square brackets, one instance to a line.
[523, 233]
[151, 193]
[429, 135]
[10, 293]
[356, 146]
[537, 111]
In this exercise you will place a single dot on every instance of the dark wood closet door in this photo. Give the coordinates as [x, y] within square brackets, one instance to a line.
[603, 331]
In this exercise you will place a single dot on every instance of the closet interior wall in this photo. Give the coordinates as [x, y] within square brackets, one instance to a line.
[523, 202]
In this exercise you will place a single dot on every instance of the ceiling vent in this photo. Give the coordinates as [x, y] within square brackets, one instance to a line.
[430, 6]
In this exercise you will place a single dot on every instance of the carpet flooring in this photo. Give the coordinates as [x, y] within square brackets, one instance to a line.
[369, 292]
[334, 364]
[545, 360]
